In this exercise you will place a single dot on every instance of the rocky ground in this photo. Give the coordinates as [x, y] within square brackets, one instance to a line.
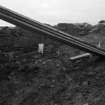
[30, 78]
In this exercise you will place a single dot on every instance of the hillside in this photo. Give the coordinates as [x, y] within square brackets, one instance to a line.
[30, 78]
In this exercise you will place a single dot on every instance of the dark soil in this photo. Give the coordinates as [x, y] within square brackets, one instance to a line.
[30, 78]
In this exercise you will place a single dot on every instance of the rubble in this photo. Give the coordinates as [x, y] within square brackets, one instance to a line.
[30, 78]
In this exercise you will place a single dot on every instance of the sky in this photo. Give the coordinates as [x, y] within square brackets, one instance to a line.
[59, 11]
